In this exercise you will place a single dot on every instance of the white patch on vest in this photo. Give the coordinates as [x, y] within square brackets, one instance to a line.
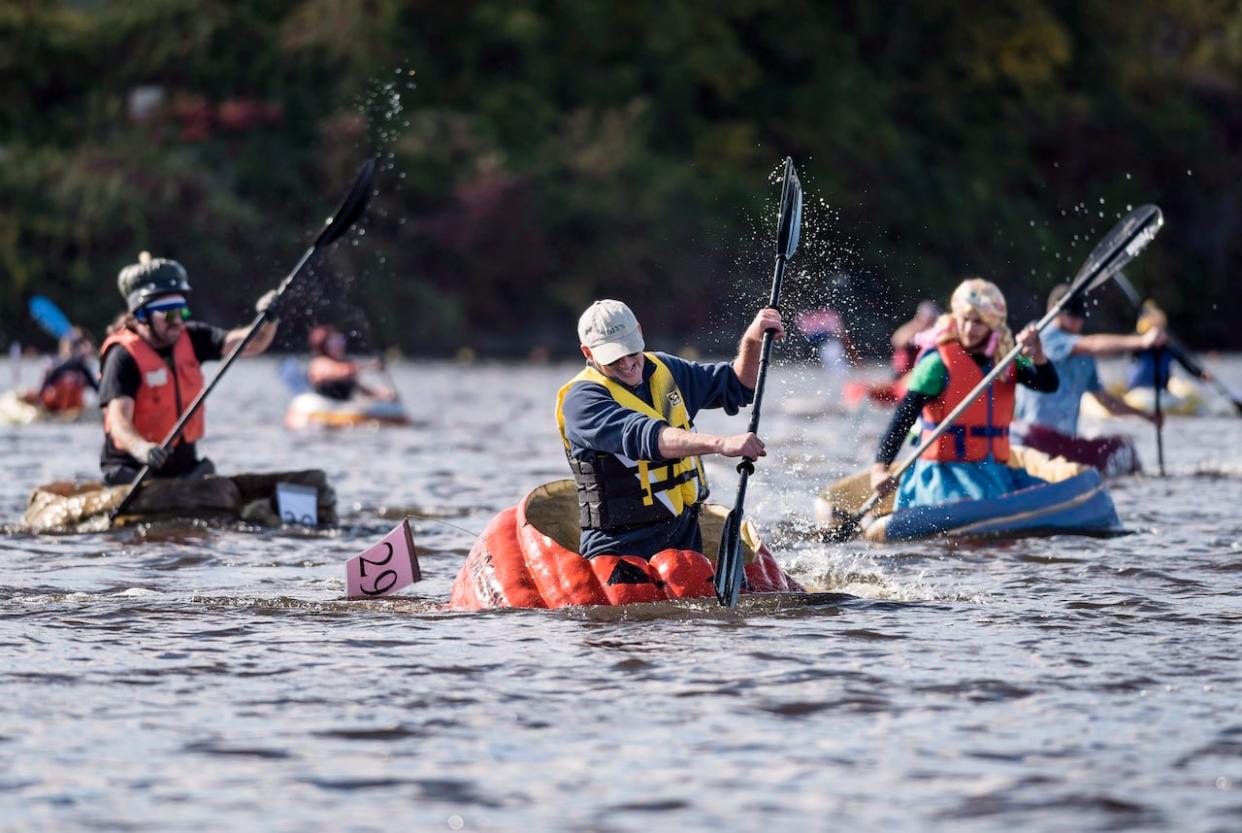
[155, 378]
[674, 398]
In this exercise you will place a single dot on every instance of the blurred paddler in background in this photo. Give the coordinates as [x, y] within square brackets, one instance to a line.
[332, 374]
[65, 383]
[1049, 421]
[1152, 368]
[906, 346]
[61, 393]
[152, 370]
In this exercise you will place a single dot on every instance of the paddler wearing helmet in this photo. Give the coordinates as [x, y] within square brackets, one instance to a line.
[627, 424]
[970, 460]
[151, 372]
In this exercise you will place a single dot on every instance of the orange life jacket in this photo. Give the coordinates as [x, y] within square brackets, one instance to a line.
[65, 394]
[982, 431]
[165, 392]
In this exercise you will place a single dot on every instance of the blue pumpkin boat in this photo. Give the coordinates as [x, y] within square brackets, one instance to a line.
[1073, 501]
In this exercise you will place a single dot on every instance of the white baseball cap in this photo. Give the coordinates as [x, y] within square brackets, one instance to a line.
[610, 329]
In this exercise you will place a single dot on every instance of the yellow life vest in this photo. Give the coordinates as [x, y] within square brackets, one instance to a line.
[615, 492]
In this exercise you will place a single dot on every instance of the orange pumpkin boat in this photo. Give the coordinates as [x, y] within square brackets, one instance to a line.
[528, 557]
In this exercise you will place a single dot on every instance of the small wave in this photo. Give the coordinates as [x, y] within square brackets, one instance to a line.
[390, 604]
[862, 574]
[137, 592]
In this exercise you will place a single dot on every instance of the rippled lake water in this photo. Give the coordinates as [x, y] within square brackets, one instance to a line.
[216, 679]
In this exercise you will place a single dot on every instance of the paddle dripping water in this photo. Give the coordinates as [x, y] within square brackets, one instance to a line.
[208, 678]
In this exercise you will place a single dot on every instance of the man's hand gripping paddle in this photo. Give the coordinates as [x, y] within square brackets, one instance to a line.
[731, 559]
[351, 209]
[1129, 237]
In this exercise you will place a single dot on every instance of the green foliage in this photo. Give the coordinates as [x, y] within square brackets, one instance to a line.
[538, 154]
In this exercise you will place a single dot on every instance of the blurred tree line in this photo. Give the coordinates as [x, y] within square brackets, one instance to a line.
[536, 155]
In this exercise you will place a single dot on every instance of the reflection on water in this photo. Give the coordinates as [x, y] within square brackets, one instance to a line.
[208, 678]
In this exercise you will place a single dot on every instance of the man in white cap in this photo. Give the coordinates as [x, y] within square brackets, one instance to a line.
[627, 424]
[151, 372]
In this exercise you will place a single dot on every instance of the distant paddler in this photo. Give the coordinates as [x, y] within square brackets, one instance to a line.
[333, 375]
[627, 422]
[908, 342]
[905, 342]
[825, 331]
[1152, 367]
[152, 372]
[971, 459]
[1049, 421]
[64, 385]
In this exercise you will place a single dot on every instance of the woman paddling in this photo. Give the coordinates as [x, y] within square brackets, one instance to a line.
[970, 461]
[332, 375]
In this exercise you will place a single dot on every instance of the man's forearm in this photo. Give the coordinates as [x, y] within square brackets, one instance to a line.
[124, 434]
[1107, 344]
[675, 443]
[746, 365]
[261, 341]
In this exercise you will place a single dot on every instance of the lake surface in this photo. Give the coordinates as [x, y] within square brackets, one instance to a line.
[217, 679]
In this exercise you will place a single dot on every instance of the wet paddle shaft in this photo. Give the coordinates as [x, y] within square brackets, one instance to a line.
[351, 209]
[731, 559]
[1123, 243]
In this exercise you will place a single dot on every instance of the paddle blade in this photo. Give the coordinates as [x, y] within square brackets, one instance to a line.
[790, 223]
[847, 530]
[730, 561]
[49, 316]
[352, 206]
[1120, 246]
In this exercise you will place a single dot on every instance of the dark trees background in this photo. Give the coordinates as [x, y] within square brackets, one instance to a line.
[537, 155]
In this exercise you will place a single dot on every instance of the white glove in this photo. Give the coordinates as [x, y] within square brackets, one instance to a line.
[267, 301]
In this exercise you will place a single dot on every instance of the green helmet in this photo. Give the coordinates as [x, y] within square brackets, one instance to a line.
[149, 278]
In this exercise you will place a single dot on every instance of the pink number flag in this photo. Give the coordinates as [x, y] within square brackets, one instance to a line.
[384, 568]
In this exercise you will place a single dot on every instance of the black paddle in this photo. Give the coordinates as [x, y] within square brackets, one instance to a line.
[1157, 382]
[351, 209]
[1179, 349]
[1131, 234]
[731, 560]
